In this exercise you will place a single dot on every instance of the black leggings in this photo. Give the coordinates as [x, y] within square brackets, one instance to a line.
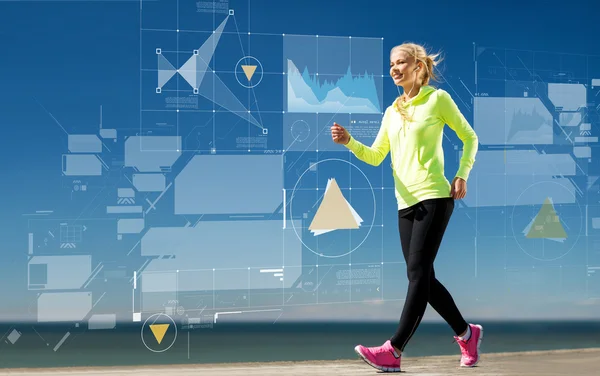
[422, 227]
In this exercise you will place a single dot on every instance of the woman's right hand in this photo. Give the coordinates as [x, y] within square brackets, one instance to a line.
[339, 134]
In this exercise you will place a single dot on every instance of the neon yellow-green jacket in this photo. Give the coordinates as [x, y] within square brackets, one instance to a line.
[416, 146]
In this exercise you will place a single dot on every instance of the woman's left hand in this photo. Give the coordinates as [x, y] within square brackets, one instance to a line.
[458, 188]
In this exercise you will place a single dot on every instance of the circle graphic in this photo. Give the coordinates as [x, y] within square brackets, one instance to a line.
[546, 231]
[248, 72]
[335, 213]
[300, 130]
[159, 332]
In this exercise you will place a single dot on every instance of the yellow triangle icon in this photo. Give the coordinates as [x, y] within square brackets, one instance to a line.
[546, 224]
[249, 70]
[334, 213]
[159, 331]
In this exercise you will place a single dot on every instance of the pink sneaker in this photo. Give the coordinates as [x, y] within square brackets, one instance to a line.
[380, 357]
[470, 348]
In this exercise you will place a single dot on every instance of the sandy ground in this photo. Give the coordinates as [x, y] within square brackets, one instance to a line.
[581, 362]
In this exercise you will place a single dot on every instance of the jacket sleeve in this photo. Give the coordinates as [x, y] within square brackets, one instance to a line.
[451, 115]
[376, 153]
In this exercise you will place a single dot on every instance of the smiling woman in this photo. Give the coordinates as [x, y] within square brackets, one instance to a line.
[410, 66]
[412, 131]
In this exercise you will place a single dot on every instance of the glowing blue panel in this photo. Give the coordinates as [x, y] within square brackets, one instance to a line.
[520, 177]
[569, 119]
[522, 162]
[84, 143]
[60, 272]
[567, 97]
[161, 281]
[230, 184]
[63, 306]
[130, 225]
[498, 190]
[512, 121]
[152, 153]
[333, 75]
[81, 165]
[582, 151]
[103, 321]
[126, 192]
[220, 245]
[121, 209]
[108, 133]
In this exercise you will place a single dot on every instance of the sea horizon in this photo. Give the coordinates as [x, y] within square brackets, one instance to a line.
[129, 344]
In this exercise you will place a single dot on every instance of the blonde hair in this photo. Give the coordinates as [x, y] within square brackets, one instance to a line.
[429, 61]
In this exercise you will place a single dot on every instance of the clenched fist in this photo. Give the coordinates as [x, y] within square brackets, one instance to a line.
[458, 188]
[339, 134]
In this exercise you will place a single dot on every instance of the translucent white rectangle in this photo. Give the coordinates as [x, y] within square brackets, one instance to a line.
[586, 126]
[108, 133]
[271, 270]
[595, 81]
[512, 121]
[126, 192]
[104, 321]
[130, 225]
[569, 119]
[522, 162]
[506, 191]
[81, 165]
[149, 182]
[568, 97]
[582, 151]
[159, 281]
[63, 306]
[586, 139]
[137, 317]
[62, 272]
[84, 143]
[596, 223]
[123, 209]
[216, 245]
[251, 184]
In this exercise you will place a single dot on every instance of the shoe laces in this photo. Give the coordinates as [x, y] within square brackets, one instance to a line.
[379, 349]
[462, 344]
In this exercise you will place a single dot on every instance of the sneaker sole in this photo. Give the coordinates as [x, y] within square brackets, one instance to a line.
[478, 347]
[384, 369]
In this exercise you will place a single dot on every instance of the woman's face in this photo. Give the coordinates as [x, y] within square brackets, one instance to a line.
[403, 68]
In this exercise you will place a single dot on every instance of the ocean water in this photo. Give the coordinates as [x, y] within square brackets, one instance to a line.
[51, 346]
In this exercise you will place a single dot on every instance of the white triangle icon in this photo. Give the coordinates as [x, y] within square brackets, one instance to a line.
[335, 212]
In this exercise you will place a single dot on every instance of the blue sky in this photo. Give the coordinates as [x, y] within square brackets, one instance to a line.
[64, 61]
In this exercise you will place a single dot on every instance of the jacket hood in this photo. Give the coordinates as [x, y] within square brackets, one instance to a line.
[423, 93]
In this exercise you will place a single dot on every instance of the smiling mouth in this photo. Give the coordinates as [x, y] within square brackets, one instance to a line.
[398, 76]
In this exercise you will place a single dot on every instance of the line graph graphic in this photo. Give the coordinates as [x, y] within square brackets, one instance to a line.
[348, 94]
[333, 75]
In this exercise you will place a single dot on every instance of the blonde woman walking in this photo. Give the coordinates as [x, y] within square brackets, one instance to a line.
[412, 131]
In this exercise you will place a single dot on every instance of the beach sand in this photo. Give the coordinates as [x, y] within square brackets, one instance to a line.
[581, 362]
